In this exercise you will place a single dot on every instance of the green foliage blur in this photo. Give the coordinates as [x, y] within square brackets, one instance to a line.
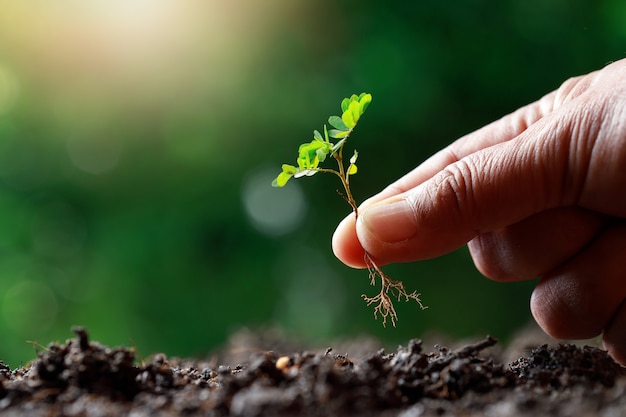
[138, 141]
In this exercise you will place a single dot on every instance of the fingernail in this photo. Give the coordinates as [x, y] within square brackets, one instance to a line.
[391, 222]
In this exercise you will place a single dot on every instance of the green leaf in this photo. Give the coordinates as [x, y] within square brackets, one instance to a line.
[317, 135]
[283, 177]
[348, 117]
[355, 110]
[321, 154]
[364, 101]
[281, 180]
[308, 156]
[337, 123]
[338, 134]
[344, 104]
[352, 169]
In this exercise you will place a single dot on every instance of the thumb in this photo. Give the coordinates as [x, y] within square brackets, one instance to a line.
[488, 189]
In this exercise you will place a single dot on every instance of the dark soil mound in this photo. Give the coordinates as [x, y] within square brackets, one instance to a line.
[83, 378]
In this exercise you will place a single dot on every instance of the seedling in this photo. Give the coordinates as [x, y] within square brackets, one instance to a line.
[310, 156]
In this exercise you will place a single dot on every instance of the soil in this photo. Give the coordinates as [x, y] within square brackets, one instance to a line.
[85, 378]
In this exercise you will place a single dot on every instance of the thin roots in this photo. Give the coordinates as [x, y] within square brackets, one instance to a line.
[389, 289]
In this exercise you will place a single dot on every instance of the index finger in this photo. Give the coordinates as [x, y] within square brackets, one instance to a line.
[345, 242]
[502, 130]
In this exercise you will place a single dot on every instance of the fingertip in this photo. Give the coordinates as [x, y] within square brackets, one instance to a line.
[562, 310]
[585, 297]
[544, 314]
[346, 245]
[614, 337]
[616, 350]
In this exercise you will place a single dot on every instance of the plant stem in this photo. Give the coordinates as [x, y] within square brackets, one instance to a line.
[388, 286]
[345, 180]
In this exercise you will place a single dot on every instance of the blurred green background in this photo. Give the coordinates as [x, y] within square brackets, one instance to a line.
[138, 140]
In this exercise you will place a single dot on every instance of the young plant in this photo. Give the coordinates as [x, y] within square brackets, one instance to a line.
[310, 156]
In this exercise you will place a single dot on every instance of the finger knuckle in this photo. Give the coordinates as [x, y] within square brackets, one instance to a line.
[572, 88]
[455, 190]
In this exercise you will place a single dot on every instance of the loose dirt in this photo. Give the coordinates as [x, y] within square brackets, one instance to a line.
[85, 378]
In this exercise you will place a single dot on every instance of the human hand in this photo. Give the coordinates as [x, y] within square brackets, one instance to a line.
[538, 193]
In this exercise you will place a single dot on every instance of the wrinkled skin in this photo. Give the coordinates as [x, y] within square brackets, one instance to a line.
[538, 193]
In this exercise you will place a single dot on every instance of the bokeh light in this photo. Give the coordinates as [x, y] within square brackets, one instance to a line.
[273, 212]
